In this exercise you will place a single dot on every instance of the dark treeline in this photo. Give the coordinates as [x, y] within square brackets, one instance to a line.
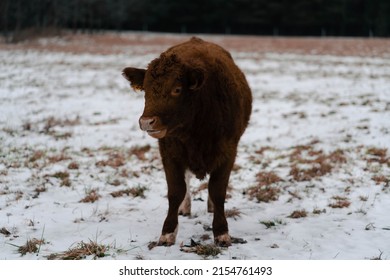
[260, 17]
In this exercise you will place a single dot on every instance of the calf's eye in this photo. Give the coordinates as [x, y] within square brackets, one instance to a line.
[176, 91]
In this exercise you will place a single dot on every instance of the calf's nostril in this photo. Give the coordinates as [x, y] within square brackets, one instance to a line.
[147, 122]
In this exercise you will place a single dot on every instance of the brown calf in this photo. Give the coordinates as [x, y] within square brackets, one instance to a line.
[197, 104]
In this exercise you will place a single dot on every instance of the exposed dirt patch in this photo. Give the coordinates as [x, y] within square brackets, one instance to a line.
[110, 43]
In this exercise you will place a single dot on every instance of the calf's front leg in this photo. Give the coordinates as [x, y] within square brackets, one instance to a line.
[174, 173]
[218, 183]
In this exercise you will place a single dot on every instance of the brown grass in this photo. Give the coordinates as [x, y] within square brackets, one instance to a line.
[320, 164]
[37, 155]
[233, 213]
[115, 182]
[140, 152]
[204, 250]
[377, 155]
[63, 176]
[267, 178]
[91, 197]
[134, 192]
[377, 152]
[38, 190]
[264, 194]
[31, 246]
[52, 122]
[297, 214]
[381, 179]
[115, 160]
[73, 165]
[340, 202]
[58, 158]
[265, 191]
[80, 251]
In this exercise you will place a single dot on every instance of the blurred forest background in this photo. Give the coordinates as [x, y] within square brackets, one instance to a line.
[364, 18]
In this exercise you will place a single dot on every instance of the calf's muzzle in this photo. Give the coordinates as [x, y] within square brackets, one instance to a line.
[152, 125]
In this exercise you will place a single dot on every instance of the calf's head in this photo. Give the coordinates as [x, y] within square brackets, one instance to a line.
[169, 86]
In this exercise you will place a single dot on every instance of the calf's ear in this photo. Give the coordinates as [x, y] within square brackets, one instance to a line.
[196, 78]
[135, 76]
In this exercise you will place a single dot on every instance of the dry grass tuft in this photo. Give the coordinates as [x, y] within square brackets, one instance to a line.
[91, 197]
[135, 192]
[58, 158]
[381, 179]
[297, 214]
[270, 224]
[264, 192]
[301, 174]
[340, 202]
[37, 155]
[233, 213]
[204, 250]
[5, 232]
[140, 152]
[377, 152]
[115, 159]
[31, 246]
[115, 182]
[377, 155]
[52, 122]
[81, 251]
[267, 178]
[63, 176]
[73, 165]
[316, 162]
[38, 190]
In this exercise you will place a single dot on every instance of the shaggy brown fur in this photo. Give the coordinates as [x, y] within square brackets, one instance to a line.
[198, 104]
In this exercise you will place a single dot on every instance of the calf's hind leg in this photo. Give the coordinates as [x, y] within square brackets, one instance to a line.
[185, 206]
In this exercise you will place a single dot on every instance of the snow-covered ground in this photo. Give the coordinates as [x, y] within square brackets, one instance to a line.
[316, 154]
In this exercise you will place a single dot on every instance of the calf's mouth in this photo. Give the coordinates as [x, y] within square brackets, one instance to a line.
[153, 126]
[157, 133]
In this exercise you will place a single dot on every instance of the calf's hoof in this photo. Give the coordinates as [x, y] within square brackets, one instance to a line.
[167, 239]
[223, 240]
[185, 206]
